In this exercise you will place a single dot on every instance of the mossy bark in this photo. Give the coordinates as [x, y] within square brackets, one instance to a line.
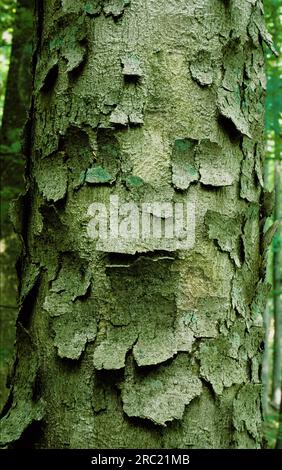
[154, 100]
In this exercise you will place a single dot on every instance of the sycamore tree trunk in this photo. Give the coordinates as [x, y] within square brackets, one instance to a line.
[148, 102]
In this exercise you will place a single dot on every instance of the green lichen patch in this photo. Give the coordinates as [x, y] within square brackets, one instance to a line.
[93, 8]
[134, 181]
[184, 167]
[98, 175]
[160, 395]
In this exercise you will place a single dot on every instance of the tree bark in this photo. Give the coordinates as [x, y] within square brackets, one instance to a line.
[148, 101]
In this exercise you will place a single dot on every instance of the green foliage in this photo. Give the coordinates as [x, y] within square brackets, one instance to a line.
[273, 13]
[7, 15]
[271, 428]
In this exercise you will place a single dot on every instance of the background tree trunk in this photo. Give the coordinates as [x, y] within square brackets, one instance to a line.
[149, 101]
[275, 86]
[265, 362]
[17, 98]
[277, 308]
[279, 435]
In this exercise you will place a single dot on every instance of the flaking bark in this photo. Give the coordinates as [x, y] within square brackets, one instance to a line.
[157, 101]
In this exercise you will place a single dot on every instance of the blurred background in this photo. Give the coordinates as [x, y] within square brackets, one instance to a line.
[16, 34]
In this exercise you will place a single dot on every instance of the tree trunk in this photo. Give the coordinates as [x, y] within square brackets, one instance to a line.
[151, 102]
[277, 307]
[17, 98]
[265, 362]
[279, 435]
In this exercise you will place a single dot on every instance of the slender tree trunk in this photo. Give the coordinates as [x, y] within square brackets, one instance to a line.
[266, 315]
[19, 81]
[279, 435]
[16, 106]
[277, 307]
[141, 343]
[265, 361]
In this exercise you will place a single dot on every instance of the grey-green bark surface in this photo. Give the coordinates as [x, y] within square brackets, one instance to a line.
[147, 100]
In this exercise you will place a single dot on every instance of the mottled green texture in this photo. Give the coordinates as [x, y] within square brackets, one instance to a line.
[51, 177]
[184, 168]
[27, 407]
[135, 341]
[228, 239]
[247, 415]
[134, 181]
[161, 395]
